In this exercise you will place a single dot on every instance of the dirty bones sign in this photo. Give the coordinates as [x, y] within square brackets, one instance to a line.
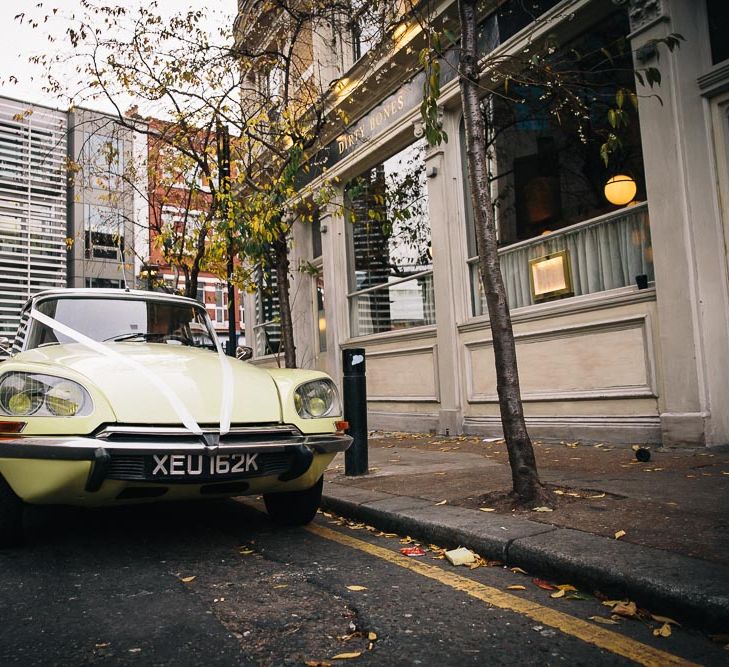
[381, 117]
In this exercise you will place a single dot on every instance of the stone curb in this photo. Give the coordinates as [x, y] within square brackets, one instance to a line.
[691, 590]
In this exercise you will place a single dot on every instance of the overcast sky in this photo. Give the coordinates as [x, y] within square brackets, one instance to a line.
[19, 42]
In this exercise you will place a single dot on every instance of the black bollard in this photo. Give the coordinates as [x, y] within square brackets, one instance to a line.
[354, 386]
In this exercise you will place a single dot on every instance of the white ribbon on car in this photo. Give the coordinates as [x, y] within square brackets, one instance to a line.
[172, 398]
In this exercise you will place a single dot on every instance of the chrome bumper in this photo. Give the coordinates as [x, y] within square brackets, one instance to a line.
[126, 442]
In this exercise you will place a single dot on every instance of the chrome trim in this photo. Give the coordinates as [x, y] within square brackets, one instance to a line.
[180, 431]
[84, 448]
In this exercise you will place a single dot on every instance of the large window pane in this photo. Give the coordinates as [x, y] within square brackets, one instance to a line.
[390, 241]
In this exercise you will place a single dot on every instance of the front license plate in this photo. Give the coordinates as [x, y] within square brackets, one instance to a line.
[199, 465]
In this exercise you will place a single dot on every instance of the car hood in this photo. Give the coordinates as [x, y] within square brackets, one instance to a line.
[195, 376]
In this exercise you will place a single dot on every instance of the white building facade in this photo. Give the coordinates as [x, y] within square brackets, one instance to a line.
[635, 349]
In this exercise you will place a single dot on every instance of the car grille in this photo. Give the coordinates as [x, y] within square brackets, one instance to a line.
[135, 468]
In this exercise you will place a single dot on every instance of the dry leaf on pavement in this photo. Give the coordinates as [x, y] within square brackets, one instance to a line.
[442, 502]
[517, 570]
[557, 594]
[545, 585]
[516, 587]
[356, 588]
[187, 580]
[347, 656]
[619, 534]
[487, 509]
[372, 636]
[542, 509]
[663, 631]
[601, 619]
[625, 609]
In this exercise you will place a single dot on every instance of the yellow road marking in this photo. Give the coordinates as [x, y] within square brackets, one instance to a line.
[587, 632]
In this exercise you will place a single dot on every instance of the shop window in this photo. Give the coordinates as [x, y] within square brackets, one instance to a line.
[548, 176]
[391, 281]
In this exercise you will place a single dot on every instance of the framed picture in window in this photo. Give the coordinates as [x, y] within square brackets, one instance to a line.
[550, 276]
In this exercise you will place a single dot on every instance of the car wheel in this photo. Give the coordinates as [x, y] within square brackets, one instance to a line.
[294, 508]
[11, 516]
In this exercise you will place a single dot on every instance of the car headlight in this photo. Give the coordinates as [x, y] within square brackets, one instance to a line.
[23, 394]
[317, 399]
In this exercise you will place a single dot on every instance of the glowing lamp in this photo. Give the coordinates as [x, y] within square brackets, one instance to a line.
[620, 190]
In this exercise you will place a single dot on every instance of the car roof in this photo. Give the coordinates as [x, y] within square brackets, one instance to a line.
[78, 292]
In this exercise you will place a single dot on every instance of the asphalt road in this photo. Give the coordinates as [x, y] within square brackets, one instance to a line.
[217, 584]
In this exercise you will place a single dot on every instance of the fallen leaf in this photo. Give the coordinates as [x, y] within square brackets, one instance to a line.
[545, 585]
[281, 586]
[244, 551]
[598, 495]
[187, 580]
[442, 502]
[347, 656]
[516, 587]
[372, 636]
[389, 534]
[104, 645]
[663, 631]
[487, 509]
[542, 509]
[577, 596]
[517, 570]
[357, 588]
[557, 594]
[625, 609]
[317, 663]
[559, 492]
[601, 619]
[566, 587]
[619, 534]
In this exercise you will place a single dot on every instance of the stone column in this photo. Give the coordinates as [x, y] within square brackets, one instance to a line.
[446, 234]
[691, 281]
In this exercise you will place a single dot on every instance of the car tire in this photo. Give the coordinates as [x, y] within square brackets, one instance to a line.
[294, 508]
[11, 516]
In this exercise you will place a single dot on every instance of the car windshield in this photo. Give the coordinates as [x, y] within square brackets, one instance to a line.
[123, 320]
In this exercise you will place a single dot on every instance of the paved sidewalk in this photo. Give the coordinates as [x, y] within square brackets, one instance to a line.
[673, 510]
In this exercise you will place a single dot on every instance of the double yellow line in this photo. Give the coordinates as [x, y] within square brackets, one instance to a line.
[587, 632]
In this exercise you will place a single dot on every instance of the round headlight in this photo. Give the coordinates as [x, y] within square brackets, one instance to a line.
[65, 399]
[19, 395]
[316, 399]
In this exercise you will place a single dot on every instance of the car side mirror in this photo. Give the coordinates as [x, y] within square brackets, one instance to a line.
[243, 352]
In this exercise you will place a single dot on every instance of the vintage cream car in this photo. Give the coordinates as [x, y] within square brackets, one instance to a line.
[119, 396]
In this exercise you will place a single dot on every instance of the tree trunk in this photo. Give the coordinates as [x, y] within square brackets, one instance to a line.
[525, 477]
[281, 254]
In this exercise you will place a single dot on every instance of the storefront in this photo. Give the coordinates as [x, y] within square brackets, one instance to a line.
[620, 311]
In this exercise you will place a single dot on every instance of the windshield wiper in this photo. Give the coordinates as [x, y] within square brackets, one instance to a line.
[131, 335]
